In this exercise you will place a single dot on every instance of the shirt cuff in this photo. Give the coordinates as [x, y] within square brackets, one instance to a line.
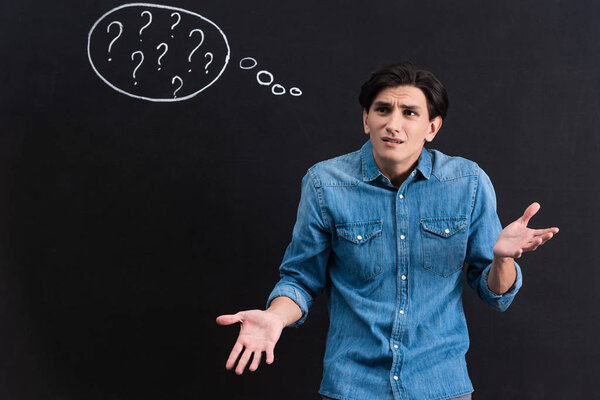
[298, 295]
[499, 301]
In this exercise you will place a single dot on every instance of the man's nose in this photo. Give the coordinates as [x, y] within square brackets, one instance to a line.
[395, 121]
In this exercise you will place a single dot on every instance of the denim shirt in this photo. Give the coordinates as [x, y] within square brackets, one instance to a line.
[391, 262]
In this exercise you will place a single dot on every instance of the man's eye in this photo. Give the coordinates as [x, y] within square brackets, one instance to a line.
[382, 109]
[410, 113]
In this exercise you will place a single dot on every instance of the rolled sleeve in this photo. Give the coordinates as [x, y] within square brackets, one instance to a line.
[303, 270]
[499, 302]
[484, 230]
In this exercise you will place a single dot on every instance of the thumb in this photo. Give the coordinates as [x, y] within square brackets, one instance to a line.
[228, 319]
[530, 212]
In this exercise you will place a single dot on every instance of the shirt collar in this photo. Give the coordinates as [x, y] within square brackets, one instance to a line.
[371, 171]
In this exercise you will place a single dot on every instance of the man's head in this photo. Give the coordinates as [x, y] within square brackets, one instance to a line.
[403, 108]
[406, 74]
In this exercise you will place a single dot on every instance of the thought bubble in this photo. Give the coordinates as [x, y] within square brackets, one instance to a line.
[157, 53]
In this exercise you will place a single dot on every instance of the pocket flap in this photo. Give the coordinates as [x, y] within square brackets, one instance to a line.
[359, 232]
[444, 227]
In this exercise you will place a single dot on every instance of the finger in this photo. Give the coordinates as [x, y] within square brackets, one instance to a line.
[530, 212]
[255, 361]
[235, 352]
[228, 319]
[541, 239]
[537, 232]
[270, 356]
[243, 361]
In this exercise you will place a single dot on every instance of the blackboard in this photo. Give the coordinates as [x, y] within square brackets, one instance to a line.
[127, 224]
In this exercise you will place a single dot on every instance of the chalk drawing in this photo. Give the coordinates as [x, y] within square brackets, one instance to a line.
[145, 28]
[173, 82]
[253, 63]
[120, 25]
[198, 45]
[166, 46]
[260, 81]
[209, 61]
[155, 24]
[176, 23]
[139, 64]
[149, 14]
[277, 89]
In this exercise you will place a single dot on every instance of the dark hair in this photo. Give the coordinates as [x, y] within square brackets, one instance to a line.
[406, 73]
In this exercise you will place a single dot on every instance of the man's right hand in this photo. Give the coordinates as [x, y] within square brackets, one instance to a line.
[259, 332]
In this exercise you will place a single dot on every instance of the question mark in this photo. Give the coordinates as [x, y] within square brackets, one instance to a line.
[178, 19]
[173, 82]
[116, 37]
[149, 22]
[199, 44]
[140, 63]
[164, 52]
[208, 63]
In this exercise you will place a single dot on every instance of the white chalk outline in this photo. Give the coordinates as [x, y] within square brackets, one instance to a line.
[277, 85]
[208, 63]
[163, 54]
[180, 86]
[295, 91]
[120, 25]
[148, 24]
[262, 82]
[176, 23]
[139, 65]
[248, 58]
[167, 8]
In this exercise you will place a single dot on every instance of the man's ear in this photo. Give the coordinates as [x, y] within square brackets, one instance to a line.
[434, 126]
[365, 119]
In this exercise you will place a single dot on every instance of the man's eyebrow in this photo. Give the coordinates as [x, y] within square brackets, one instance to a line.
[404, 106]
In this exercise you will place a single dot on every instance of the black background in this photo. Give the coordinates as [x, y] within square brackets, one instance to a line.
[127, 226]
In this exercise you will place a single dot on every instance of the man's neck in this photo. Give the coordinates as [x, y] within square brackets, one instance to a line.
[396, 173]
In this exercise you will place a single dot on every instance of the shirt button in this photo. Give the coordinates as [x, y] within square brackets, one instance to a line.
[359, 237]
[401, 311]
[401, 196]
[402, 237]
[403, 277]
[395, 378]
[447, 230]
[395, 346]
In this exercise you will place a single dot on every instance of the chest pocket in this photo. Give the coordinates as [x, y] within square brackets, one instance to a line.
[444, 244]
[359, 248]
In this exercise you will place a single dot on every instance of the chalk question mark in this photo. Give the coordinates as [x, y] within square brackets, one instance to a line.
[208, 63]
[178, 19]
[173, 82]
[120, 25]
[149, 22]
[164, 52]
[140, 63]
[199, 44]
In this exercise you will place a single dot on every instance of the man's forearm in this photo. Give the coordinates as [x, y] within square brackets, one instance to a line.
[502, 274]
[286, 309]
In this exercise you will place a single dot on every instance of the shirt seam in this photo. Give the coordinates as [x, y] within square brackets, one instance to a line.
[318, 189]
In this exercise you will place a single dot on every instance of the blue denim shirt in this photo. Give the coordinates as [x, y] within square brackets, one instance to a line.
[391, 263]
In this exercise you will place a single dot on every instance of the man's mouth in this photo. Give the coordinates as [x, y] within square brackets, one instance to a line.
[390, 140]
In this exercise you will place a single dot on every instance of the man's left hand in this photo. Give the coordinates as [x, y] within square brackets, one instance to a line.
[517, 238]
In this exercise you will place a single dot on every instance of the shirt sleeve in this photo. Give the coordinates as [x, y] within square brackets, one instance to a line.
[484, 230]
[304, 267]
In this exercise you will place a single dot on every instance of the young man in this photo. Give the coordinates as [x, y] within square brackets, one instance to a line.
[386, 231]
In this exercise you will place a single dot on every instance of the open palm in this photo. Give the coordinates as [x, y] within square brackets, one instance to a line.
[517, 238]
[259, 332]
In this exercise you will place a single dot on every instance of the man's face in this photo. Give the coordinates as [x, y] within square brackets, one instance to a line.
[398, 124]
